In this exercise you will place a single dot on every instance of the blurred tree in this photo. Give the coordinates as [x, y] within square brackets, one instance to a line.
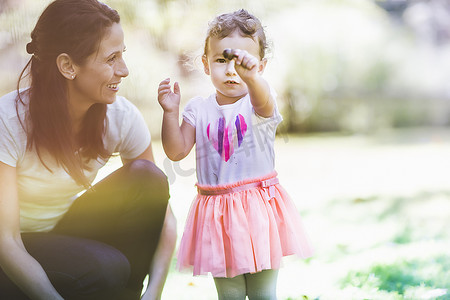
[343, 65]
[430, 19]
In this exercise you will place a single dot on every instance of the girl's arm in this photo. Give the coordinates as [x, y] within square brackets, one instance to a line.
[250, 70]
[15, 261]
[260, 96]
[177, 140]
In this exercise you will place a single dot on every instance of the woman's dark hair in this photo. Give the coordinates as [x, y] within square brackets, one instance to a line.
[74, 27]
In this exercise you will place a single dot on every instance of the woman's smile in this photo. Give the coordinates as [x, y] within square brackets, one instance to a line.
[114, 86]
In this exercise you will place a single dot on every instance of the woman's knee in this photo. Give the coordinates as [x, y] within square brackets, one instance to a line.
[147, 169]
[153, 179]
[151, 189]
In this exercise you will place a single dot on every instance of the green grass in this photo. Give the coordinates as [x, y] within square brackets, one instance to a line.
[429, 274]
[377, 210]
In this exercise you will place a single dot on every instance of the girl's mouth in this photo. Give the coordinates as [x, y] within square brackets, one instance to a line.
[231, 82]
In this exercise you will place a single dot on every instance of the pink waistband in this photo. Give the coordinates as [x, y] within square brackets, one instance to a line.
[220, 190]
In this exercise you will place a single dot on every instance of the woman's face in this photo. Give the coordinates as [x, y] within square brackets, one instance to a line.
[97, 79]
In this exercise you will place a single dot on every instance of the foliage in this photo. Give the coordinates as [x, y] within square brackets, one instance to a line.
[336, 65]
[346, 72]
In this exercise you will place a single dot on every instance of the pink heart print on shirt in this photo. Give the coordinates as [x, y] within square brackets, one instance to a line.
[225, 138]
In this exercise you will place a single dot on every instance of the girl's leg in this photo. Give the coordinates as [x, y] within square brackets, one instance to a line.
[262, 285]
[231, 288]
[125, 210]
[80, 269]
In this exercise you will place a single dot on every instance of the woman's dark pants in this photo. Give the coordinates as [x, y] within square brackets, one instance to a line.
[103, 246]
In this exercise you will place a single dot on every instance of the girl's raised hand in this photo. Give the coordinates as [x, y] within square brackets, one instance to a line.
[246, 65]
[169, 101]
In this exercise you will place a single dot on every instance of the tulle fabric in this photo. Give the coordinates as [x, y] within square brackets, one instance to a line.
[241, 232]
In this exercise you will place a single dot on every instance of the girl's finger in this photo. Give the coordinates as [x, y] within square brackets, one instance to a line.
[250, 63]
[164, 87]
[229, 53]
[176, 88]
[162, 93]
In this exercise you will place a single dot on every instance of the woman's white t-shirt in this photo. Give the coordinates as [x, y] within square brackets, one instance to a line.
[44, 196]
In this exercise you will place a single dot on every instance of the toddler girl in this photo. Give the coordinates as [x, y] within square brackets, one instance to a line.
[242, 221]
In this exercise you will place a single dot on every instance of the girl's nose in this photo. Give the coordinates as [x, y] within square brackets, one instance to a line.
[230, 70]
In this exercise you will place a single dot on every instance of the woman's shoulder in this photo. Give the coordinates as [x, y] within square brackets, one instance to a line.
[120, 108]
[122, 112]
[8, 104]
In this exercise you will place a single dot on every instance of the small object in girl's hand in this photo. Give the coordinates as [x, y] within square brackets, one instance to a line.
[228, 54]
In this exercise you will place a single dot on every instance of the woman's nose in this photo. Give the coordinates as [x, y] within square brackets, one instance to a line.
[122, 69]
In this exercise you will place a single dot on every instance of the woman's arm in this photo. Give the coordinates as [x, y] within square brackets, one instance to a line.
[159, 267]
[15, 261]
[147, 154]
[163, 256]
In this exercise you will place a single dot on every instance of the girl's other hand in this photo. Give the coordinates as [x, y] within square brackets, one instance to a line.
[168, 99]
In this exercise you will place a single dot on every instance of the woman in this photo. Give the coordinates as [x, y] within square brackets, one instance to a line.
[54, 136]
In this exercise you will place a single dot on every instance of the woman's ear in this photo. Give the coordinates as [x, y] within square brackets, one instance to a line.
[205, 64]
[262, 65]
[66, 66]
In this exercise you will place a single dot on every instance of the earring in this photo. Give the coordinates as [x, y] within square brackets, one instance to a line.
[73, 76]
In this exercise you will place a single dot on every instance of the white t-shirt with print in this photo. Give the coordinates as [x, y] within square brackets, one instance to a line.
[44, 197]
[233, 143]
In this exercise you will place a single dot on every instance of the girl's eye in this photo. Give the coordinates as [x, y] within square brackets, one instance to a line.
[221, 60]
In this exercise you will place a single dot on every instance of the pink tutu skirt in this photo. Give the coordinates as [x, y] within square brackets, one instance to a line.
[244, 227]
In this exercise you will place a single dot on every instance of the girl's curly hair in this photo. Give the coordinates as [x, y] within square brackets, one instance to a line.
[247, 24]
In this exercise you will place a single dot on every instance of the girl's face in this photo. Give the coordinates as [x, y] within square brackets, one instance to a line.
[98, 79]
[229, 86]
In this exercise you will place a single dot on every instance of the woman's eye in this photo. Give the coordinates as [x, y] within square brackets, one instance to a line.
[112, 59]
[221, 60]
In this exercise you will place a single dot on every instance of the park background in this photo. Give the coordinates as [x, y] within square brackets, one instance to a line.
[364, 148]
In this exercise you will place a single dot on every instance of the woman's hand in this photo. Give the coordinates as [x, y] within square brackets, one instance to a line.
[169, 101]
[15, 261]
